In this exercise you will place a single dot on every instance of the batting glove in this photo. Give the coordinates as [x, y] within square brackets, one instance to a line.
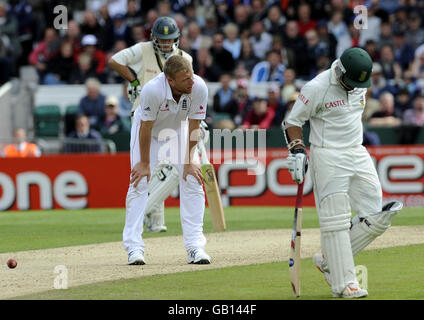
[297, 163]
[133, 90]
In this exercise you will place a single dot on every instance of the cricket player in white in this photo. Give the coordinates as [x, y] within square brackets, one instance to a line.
[342, 171]
[167, 102]
[139, 64]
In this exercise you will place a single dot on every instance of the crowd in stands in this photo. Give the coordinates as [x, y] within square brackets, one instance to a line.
[234, 42]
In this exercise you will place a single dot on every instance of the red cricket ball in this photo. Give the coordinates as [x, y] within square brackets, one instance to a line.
[12, 263]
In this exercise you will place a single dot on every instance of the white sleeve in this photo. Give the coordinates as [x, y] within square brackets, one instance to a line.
[199, 101]
[149, 103]
[303, 107]
[128, 56]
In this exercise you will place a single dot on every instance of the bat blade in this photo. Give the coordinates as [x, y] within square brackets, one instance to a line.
[295, 242]
[214, 197]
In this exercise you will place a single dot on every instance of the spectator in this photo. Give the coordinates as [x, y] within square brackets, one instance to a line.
[59, 68]
[415, 116]
[197, 40]
[24, 15]
[243, 20]
[121, 30]
[45, 51]
[289, 86]
[165, 9]
[92, 105]
[260, 116]
[210, 27]
[270, 70]
[275, 21]
[221, 57]
[372, 48]
[84, 70]
[378, 82]
[84, 139]
[138, 33]
[223, 13]
[390, 68]
[415, 34]
[9, 37]
[98, 57]
[287, 55]
[247, 56]
[294, 41]
[111, 122]
[258, 9]
[232, 42]
[275, 103]
[340, 30]
[386, 116]
[125, 105]
[242, 101]
[73, 36]
[223, 98]
[386, 34]
[134, 14]
[314, 50]
[90, 25]
[327, 39]
[305, 23]
[403, 53]
[21, 148]
[403, 101]
[372, 105]
[204, 67]
[260, 39]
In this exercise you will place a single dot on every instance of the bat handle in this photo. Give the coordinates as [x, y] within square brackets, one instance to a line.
[299, 196]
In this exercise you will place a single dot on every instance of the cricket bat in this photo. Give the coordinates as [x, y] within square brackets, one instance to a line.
[294, 255]
[212, 190]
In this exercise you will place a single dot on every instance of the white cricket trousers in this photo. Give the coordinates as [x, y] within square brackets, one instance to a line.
[192, 197]
[343, 179]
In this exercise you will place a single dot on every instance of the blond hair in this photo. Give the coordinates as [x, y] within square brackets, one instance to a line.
[176, 64]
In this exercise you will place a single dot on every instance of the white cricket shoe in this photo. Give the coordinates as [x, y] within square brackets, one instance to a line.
[352, 291]
[198, 256]
[136, 257]
[320, 263]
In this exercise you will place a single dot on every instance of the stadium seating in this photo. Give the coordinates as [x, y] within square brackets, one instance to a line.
[47, 121]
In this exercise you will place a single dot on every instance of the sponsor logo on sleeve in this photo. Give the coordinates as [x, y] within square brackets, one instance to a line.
[303, 99]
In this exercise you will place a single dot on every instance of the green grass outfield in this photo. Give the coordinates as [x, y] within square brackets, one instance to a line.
[394, 273]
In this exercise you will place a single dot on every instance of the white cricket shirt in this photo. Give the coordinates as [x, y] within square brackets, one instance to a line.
[157, 103]
[334, 113]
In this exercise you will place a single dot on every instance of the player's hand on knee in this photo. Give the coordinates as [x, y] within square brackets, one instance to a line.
[297, 163]
[139, 171]
[194, 170]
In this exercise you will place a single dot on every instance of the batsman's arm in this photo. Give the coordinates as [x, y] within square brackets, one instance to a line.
[142, 168]
[123, 70]
[193, 137]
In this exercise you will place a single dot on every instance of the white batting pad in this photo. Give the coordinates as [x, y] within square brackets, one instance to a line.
[365, 229]
[334, 216]
[162, 182]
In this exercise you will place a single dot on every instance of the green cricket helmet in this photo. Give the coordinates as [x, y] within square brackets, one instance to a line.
[165, 28]
[356, 65]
